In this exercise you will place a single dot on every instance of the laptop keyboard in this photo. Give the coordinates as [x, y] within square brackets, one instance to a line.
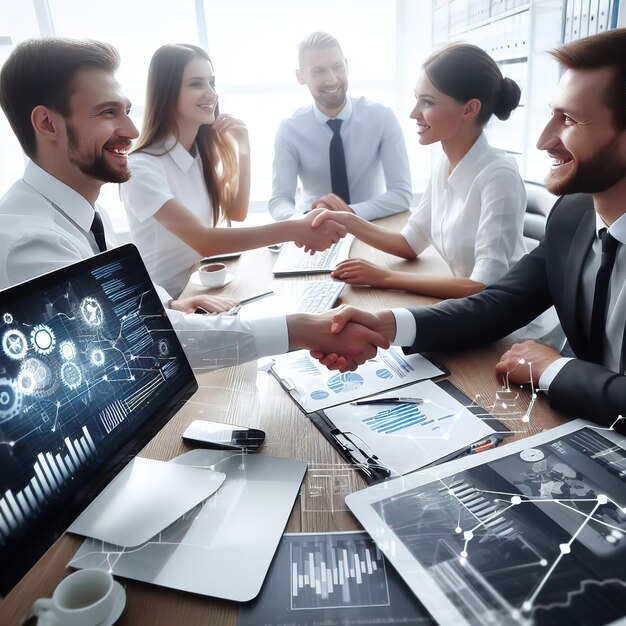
[319, 296]
[294, 260]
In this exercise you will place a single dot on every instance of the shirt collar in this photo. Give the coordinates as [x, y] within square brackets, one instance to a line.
[464, 174]
[75, 206]
[179, 155]
[617, 228]
[345, 114]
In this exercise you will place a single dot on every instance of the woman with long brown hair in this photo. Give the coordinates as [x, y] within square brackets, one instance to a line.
[191, 171]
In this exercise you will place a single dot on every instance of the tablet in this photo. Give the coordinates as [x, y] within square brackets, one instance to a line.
[533, 532]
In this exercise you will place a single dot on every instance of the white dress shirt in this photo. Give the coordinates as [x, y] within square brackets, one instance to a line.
[473, 216]
[379, 177]
[164, 173]
[44, 225]
[616, 307]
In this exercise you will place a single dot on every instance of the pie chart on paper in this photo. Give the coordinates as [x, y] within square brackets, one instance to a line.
[345, 383]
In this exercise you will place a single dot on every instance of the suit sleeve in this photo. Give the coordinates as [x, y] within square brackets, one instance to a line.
[515, 300]
[589, 391]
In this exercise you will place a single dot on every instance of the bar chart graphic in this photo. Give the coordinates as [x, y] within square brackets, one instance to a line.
[343, 572]
[305, 366]
[51, 472]
[401, 417]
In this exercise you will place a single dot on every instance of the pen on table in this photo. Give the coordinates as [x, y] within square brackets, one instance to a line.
[388, 401]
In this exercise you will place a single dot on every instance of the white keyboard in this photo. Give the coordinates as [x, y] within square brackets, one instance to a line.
[319, 296]
[293, 260]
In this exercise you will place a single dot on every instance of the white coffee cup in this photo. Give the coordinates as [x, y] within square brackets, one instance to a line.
[84, 598]
[213, 275]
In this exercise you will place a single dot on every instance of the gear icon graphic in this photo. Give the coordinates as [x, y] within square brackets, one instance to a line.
[97, 357]
[67, 350]
[71, 375]
[92, 311]
[43, 339]
[45, 381]
[163, 347]
[7, 318]
[26, 382]
[10, 400]
[14, 344]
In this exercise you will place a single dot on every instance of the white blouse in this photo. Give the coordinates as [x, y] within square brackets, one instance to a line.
[474, 216]
[157, 178]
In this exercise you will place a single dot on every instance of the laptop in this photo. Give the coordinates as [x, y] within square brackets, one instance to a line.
[293, 260]
[90, 371]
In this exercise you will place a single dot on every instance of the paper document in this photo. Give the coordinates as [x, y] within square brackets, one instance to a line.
[314, 387]
[406, 437]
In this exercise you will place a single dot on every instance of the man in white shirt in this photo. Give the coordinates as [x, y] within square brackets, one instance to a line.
[376, 162]
[579, 266]
[66, 108]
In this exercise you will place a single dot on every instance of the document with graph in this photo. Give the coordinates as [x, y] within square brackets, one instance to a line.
[405, 437]
[532, 533]
[334, 579]
[313, 387]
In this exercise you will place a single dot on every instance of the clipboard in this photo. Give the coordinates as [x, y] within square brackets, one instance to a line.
[356, 453]
[315, 390]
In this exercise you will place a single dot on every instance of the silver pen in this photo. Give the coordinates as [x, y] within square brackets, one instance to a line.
[388, 401]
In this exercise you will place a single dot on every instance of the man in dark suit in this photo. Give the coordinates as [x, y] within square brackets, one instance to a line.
[579, 267]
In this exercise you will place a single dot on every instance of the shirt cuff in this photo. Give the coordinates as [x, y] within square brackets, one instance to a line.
[406, 328]
[271, 335]
[551, 372]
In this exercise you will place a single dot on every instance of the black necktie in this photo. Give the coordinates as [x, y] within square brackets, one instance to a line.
[97, 230]
[338, 174]
[598, 312]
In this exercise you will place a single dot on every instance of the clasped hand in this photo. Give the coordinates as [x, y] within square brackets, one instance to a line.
[315, 239]
[355, 336]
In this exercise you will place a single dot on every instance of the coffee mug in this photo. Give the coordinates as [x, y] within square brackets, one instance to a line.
[84, 598]
[213, 275]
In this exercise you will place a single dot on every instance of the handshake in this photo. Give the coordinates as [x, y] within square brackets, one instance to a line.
[342, 338]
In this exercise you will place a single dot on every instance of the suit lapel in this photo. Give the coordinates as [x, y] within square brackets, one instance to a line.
[581, 242]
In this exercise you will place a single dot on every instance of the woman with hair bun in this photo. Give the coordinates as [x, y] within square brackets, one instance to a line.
[472, 211]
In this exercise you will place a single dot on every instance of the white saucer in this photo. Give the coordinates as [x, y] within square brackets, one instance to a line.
[118, 605]
[195, 279]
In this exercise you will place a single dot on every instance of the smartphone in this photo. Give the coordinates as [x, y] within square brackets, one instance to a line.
[223, 436]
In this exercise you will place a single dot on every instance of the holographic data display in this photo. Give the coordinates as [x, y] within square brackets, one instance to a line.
[88, 365]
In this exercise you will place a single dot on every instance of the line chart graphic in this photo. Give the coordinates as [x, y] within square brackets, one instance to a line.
[536, 537]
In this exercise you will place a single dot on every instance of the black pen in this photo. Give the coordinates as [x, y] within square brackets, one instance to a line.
[388, 401]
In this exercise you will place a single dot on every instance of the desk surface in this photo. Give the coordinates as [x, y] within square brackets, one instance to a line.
[242, 395]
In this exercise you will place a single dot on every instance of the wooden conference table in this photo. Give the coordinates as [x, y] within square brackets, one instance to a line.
[247, 396]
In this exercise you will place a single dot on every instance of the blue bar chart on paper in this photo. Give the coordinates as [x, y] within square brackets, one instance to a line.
[401, 417]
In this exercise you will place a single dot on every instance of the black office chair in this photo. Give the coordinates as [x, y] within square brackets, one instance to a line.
[538, 205]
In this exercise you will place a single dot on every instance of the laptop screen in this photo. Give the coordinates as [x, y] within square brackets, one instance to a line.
[90, 370]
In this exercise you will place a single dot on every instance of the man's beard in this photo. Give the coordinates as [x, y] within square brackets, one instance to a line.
[332, 102]
[592, 176]
[99, 168]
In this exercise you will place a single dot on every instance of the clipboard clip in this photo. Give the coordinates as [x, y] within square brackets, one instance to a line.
[292, 388]
[359, 453]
